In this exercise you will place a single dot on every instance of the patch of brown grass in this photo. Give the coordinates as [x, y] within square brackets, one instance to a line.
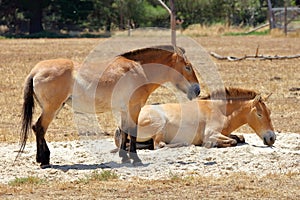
[197, 30]
[234, 186]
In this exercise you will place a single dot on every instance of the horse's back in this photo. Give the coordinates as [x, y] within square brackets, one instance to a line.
[60, 63]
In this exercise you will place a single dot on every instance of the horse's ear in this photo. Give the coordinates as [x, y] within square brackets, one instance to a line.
[256, 100]
[267, 97]
[179, 50]
[182, 50]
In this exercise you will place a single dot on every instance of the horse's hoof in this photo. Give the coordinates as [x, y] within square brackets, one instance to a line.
[125, 160]
[45, 166]
[233, 143]
[137, 161]
[239, 138]
[134, 157]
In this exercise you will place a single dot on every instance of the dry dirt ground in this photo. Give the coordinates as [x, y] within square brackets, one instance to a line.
[280, 77]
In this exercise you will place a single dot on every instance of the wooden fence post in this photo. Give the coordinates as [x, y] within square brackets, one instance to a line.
[285, 18]
[172, 13]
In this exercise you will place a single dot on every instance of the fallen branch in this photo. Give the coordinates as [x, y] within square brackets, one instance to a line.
[253, 57]
[257, 28]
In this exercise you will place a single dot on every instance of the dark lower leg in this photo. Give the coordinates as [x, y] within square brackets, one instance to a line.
[132, 152]
[43, 153]
[151, 147]
[132, 147]
[238, 138]
[122, 151]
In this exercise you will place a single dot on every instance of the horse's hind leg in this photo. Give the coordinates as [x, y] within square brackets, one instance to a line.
[43, 153]
[40, 128]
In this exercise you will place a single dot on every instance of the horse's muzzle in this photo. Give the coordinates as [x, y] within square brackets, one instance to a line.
[194, 91]
[269, 138]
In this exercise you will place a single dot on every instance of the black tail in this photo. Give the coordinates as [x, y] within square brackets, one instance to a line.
[27, 111]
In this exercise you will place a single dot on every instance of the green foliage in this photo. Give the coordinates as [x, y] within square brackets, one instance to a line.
[34, 16]
[26, 180]
[154, 16]
[231, 12]
[47, 34]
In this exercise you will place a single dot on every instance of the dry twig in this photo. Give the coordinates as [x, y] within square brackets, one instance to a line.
[253, 57]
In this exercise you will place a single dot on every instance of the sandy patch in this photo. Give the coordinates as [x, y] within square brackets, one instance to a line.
[78, 159]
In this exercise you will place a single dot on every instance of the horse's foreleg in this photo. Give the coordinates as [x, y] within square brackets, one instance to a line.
[216, 139]
[224, 141]
[129, 127]
[238, 138]
[132, 151]
[122, 151]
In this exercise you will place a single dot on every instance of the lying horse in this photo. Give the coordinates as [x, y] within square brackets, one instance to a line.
[208, 121]
[123, 86]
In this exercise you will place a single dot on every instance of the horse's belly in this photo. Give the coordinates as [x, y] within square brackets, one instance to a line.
[88, 105]
[189, 133]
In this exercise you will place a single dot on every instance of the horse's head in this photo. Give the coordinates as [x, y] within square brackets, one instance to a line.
[185, 79]
[259, 120]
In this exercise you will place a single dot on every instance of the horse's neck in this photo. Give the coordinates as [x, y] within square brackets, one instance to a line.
[152, 56]
[156, 65]
[236, 118]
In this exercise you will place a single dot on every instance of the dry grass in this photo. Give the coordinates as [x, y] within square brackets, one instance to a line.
[234, 186]
[197, 30]
[278, 76]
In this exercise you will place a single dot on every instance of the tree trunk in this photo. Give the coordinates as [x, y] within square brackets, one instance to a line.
[36, 15]
[271, 17]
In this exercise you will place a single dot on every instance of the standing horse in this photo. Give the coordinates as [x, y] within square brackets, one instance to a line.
[124, 86]
[208, 121]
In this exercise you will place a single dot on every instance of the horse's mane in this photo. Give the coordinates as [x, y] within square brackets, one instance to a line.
[168, 48]
[231, 93]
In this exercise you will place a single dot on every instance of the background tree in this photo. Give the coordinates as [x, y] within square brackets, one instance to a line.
[8, 14]
[33, 16]
[33, 11]
[103, 16]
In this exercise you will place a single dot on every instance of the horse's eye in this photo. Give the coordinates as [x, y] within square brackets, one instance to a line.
[259, 115]
[188, 68]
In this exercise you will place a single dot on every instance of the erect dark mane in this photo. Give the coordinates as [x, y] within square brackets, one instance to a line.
[231, 93]
[168, 48]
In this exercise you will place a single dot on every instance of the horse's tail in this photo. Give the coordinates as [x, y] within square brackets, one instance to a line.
[27, 112]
